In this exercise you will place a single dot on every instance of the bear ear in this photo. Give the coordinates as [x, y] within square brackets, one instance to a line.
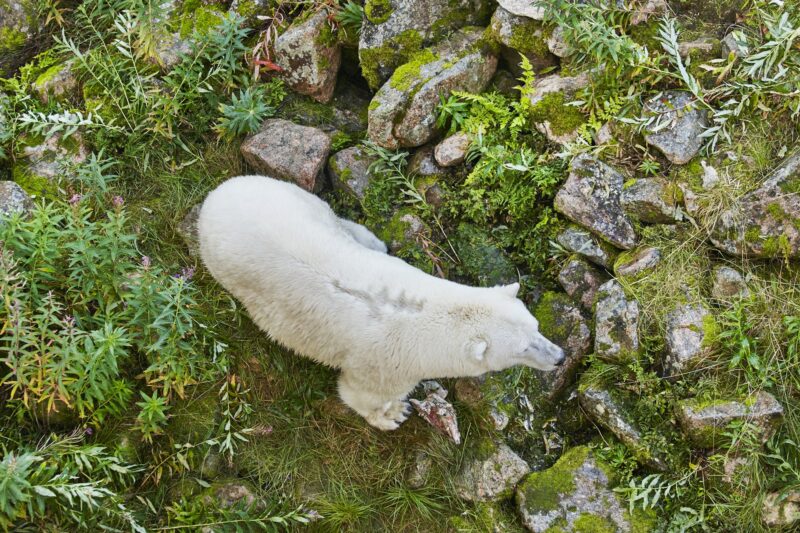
[510, 290]
[477, 349]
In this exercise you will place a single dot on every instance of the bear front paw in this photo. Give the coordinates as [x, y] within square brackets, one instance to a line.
[390, 416]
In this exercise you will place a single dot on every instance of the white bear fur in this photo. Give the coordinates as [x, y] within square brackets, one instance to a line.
[325, 288]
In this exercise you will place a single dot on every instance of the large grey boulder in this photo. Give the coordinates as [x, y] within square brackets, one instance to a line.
[616, 334]
[170, 51]
[394, 30]
[561, 321]
[704, 422]
[687, 331]
[403, 112]
[582, 242]
[610, 412]
[766, 222]
[680, 122]
[349, 171]
[493, 477]
[575, 495]
[521, 36]
[14, 200]
[591, 197]
[581, 280]
[310, 55]
[285, 150]
[187, 229]
[651, 200]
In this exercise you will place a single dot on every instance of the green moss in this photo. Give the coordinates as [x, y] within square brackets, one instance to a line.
[49, 74]
[197, 17]
[33, 184]
[590, 523]
[543, 490]
[753, 234]
[551, 325]
[378, 11]
[11, 39]
[710, 330]
[326, 37]
[407, 74]
[528, 39]
[791, 185]
[562, 118]
[395, 52]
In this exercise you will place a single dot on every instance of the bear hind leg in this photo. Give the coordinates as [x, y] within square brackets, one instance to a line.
[363, 236]
[385, 410]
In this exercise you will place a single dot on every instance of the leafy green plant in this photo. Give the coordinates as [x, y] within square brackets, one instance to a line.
[350, 16]
[249, 108]
[451, 113]
[152, 415]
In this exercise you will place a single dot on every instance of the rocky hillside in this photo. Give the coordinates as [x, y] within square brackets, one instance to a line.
[634, 164]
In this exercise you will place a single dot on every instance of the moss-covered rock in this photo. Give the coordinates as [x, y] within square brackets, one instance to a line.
[194, 418]
[492, 475]
[57, 82]
[402, 114]
[18, 25]
[309, 56]
[481, 259]
[704, 422]
[522, 36]
[575, 495]
[616, 323]
[394, 30]
[48, 161]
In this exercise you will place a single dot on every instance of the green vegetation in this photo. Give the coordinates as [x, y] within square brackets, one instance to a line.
[135, 394]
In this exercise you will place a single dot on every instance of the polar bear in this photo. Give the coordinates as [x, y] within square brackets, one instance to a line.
[325, 288]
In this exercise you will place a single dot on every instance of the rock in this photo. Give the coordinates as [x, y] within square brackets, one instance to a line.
[676, 132]
[766, 222]
[309, 54]
[403, 229]
[57, 83]
[284, 150]
[250, 10]
[45, 164]
[556, 43]
[18, 27]
[582, 242]
[13, 200]
[705, 422]
[521, 36]
[687, 328]
[610, 413]
[703, 46]
[550, 113]
[492, 478]
[575, 495]
[650, 9]
[523, 8]
[468, 391]
[734, 43]
[561, 322]
[728, 284]
[187, 229]
[348, 170]
[633, 263]
[591, 198]
[555, 83]
[228, 493]
[452, 151]
[616, 333]
[394, 30]
[781, 510]
[403, 112]
[170, 51]
[651, 200]
[420, 471]
[581, 281]
[423, 164]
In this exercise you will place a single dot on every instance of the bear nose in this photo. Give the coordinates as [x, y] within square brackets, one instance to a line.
[561, 359]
